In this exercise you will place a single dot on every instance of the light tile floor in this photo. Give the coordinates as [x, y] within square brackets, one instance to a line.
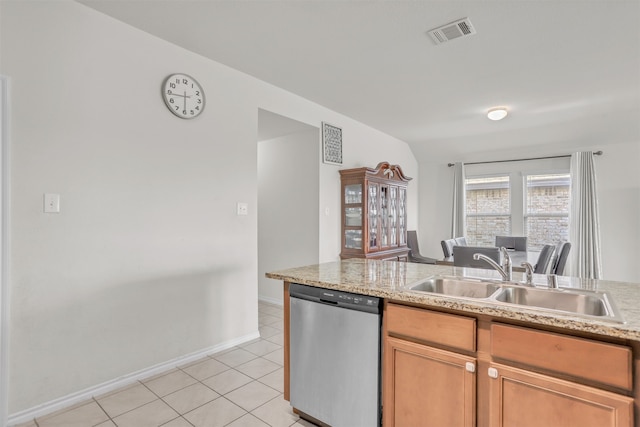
[239, 387]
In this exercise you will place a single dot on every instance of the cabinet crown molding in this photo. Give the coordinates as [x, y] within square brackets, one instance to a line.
[382, 170]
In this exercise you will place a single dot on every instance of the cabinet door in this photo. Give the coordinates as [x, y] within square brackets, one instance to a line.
[385, 217]
[427, 387]
[393, 216]
[352, 217]
[402, 216]
[526, 399]
[373, 212]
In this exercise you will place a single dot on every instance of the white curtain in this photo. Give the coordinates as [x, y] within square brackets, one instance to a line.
[458, 222]
[584, 228]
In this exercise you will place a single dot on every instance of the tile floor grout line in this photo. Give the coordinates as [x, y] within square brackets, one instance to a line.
[240, 386]
[235, 404]
[103, 410]
[269, 385]
[179, 416]
[280, 396]
[193, 409]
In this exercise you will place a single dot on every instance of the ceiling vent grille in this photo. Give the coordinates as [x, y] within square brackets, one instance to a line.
[454, 30]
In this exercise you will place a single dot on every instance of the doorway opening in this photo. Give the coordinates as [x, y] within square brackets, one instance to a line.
[288, 198]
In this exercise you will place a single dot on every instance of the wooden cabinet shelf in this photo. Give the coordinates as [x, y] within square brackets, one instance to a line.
[374, 212]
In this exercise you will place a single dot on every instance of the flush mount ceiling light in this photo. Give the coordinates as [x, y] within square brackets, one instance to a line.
[497, 113]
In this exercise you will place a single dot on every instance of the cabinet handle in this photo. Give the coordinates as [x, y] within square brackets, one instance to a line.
[470, 367]
[493, 372]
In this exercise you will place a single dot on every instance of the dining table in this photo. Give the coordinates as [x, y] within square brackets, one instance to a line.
[517, 258]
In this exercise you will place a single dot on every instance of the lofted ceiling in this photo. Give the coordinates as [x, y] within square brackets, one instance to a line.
[568, 70]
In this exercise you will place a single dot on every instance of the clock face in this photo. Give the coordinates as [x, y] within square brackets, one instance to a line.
[183, 96]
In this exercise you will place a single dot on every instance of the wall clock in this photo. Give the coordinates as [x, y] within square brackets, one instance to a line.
[183, 95]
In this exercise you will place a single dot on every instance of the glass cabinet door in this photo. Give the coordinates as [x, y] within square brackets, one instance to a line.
[393, 216]
[372, 214]
[402, 216]
[352, 194]
[353, 216]
[353, 239]
[384, 216]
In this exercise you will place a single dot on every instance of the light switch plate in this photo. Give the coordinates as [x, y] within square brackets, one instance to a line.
[243, 208]
[51, 203]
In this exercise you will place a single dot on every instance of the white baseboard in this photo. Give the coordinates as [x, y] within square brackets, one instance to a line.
[270, 300]
[106, 387]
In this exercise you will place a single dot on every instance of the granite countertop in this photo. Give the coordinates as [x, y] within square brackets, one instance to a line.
[389, 279]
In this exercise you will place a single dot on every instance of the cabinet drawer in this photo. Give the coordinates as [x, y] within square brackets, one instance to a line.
[605, 363]
[445, 329]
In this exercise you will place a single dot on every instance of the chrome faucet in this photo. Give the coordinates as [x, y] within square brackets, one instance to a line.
[528, 273]
[504, 270]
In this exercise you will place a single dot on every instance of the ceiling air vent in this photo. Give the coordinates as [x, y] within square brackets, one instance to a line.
[454, 30]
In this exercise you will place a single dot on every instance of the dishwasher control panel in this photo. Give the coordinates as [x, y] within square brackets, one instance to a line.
[338, 298]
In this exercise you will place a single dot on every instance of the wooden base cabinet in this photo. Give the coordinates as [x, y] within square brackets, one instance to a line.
[443, 369]
[428, 387]
[424, 385]
[526, 399]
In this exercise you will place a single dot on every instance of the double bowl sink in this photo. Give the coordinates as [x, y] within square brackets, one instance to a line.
[586, 304]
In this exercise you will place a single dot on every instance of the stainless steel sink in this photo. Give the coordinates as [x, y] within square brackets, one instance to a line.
[587, 304]
[456, 287]
[583, 303]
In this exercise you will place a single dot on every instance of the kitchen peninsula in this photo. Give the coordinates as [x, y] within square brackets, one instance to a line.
[467, 361]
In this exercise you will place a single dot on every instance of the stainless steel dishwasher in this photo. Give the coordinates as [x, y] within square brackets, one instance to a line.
[335, 356]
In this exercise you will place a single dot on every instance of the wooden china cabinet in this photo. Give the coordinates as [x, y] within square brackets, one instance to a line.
[374, 213]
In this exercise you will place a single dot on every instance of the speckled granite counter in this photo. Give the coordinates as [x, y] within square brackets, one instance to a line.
[390, 280]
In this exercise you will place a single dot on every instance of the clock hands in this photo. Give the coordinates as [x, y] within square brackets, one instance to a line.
[178, 86]
[181, 96]
[185, 96]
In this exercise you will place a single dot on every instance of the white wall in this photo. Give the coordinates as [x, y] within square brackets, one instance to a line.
[4, 246]
[147, 260]
[288, 206]
[618, 187]
[618, 191]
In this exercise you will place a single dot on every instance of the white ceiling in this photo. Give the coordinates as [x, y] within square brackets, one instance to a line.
[569, 70]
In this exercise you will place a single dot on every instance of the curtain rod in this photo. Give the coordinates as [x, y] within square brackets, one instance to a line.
[595, 153]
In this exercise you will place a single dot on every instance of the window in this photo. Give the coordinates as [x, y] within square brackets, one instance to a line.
[488, 209]
[546, 214]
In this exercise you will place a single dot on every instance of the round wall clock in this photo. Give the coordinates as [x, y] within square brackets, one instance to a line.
[183, 95]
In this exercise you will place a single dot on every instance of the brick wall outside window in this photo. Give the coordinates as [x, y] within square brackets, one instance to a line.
[546, 212]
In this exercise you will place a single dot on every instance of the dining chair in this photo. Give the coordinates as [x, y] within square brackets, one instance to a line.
[561, 260]
[414, 250]
[461, 241]
[518, 243]
[447, 247]
[543, 266]
[463, 256]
